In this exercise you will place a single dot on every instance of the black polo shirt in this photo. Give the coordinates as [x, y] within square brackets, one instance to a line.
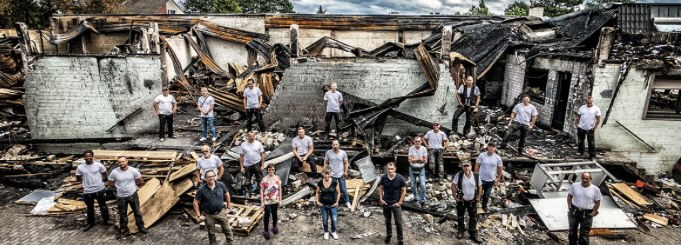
[211, 201]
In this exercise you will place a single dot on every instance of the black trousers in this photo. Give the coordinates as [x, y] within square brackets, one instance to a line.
[470, 208]
[89, 200]
[165, 125]
[258, 116]
[271, 211]
[311, 159]
[134, 202]
[327, 122]
[390, 212]
[579, 221]
[589, 135]
[515, 126]
[469, 119]
[251, 171]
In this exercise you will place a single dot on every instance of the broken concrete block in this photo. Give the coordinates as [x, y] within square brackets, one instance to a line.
[428, 218]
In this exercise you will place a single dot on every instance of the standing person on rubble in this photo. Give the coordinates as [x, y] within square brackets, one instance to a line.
[270, 199]
[465, 96]
[93, 175]
[466, 189]
[205, 105]
[253, 103]
[207, 163]
[391, 191]
[302, 150]
[490, 168]
[436, 141]
[251, 161]
[523, 118]
[583, 201]
[328, 195]
[588, 118]
[338, 160]
[126, 179]
[165, 106]
[334, 100]
[209, 205]
[418, 156]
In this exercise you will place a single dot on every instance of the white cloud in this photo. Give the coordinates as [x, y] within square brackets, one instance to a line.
[402, 6]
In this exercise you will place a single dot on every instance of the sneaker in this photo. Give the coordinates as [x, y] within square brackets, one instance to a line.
[275, 230]
[143, 230]
[109, 222]
[334, 235]
[326, 236]
[349, 205]
[202, 139]
[214, 139]
[266, 235]
[161, 139]
[88, 227]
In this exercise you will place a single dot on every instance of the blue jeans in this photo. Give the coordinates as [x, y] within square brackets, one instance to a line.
[487, 187]
[343, 188]
[333, 212]
[422, 182]
[207, 122]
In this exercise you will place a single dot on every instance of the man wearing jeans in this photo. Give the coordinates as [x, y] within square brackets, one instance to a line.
[588, 118]
[205, 105]
[334, 100]
[126, 179]
[490, 167]
[466, 189]
[436, 140]
[209, 204]
[583, 201]
[165, 106]
[417, 161]
[253, 104]
[252, 161]
[391, 191]
[338, 160]
[93, 175]
[523, 118]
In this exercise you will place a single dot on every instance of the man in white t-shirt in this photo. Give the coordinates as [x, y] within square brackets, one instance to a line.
[205, 105]
[126, 179]
[588, 118]
[490, 167]
[165, 106]
[93, 175]
[253, 104]
[583, 201]
[251, 161]
[435, 142]
[303, 150]
[418, 156]
[334, 100]
[468, 97]
[338, 160]
[207, 162]
[523, 118]
[466, 190]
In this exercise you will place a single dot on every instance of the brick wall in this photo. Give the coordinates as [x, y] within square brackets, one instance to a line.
[76, 97]
[514, 77]
[628, 109]
[300, 94]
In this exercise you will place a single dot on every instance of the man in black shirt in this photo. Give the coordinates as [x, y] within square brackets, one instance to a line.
[212, 198]
[391, 193]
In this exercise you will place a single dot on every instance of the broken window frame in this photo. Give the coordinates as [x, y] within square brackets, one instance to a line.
[539, 99]
[665, 82]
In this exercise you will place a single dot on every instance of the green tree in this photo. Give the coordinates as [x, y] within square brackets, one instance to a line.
[321, 10]
[553, 8]
[266, 6]
[517, 8]
[597, 3]
[36, 13]
[212, 6]
[481, 9]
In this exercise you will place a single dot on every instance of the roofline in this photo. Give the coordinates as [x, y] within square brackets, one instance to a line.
[291, 14]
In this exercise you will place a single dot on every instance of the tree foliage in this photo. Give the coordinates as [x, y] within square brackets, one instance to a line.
[212, 6]
[517, 8]
[321, 10]
[553, 8]
[598, 3]
[481, 9]
[266, 6]
[36, 13]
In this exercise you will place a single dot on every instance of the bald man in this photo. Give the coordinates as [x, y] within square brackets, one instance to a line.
[209, 161]
[468, 97]
[583, 201]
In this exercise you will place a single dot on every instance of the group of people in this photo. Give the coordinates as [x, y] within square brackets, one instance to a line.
[471, 187]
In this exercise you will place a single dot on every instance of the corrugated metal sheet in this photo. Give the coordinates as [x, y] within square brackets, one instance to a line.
[638, 18]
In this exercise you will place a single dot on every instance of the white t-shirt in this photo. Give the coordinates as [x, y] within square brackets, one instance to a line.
[587, 116]
[336, 162]
[252, 97]
[489, 165]
[125, 181]
[302, 144]
[421, 152]
[584, 198]
[524, 114]
[475, 90]
[204, 103]
[165, 104]
[435, 140]
[251, 152]
[211, 163]
[468, 185]
[333, 101]
[92, 176]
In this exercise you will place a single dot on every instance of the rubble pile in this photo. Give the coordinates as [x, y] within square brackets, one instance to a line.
[12, 115]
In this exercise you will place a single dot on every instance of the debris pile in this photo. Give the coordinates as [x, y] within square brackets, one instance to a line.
[12, 115]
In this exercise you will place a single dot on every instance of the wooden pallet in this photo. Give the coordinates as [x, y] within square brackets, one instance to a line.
[139, 156]
[251, 213]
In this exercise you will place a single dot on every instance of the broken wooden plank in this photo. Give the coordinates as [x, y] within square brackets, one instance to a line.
[657, 219]
[184, 171]
[147, 191]
[183, 186]
[630, 194]
[157, 206]
[139, 156]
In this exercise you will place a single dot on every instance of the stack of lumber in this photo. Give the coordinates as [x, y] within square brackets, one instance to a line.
[356, 188]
